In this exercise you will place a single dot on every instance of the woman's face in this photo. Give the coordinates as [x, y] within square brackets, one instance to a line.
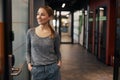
[42, 17]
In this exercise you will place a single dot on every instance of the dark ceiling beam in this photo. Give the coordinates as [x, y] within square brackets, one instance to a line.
[71, 5]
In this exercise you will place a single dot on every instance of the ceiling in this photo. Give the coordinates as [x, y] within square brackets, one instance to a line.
[71, 5]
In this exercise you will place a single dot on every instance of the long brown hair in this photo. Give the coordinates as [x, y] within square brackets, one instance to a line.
[50, 12]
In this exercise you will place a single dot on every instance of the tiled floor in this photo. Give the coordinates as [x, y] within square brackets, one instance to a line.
[78, 64]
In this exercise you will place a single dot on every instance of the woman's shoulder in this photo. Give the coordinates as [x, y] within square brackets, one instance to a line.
[30, 30]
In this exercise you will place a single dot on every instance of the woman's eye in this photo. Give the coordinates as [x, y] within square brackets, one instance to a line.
[41, 14]
[37, 13]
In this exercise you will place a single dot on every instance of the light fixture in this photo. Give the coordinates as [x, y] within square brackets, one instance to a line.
[63, 5]
[101, 8]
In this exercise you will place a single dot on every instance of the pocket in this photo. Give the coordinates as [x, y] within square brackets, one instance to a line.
[32, 70]
[57, 66]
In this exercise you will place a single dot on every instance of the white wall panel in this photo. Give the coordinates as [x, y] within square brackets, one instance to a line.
[76, 26]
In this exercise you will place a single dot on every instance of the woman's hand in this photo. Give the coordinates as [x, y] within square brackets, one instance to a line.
[29, 67]
[59, 63]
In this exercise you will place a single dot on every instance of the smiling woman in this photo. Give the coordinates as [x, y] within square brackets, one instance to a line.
[43, 54]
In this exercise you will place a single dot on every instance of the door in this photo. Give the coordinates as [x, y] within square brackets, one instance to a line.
[116, 75]
[100, 33]
[96, 33]
[1, 43]
[12, 40]
[90, 31]
[6, 58]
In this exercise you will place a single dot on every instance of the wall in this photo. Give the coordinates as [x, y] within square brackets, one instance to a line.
[19, 27]
[76, 27]
[81, 27]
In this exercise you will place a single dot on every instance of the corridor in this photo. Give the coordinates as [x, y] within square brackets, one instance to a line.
[78, 64]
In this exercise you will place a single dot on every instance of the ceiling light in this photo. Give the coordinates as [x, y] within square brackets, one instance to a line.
[101, 8]
[63, 5]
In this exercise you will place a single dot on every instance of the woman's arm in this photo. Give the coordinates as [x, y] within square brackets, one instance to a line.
[57, 49]
[28, 50]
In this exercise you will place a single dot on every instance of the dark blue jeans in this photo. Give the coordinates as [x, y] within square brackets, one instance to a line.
[47, 72]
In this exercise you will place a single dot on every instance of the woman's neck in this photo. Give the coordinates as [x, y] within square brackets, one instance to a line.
[43, 27]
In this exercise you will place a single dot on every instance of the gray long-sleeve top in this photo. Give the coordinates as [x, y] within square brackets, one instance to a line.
[42, 50]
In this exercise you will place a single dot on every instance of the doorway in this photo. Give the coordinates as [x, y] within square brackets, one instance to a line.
[65, 29]
[100, 33]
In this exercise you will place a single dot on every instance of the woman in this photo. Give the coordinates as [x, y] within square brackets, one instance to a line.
[43, 48]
